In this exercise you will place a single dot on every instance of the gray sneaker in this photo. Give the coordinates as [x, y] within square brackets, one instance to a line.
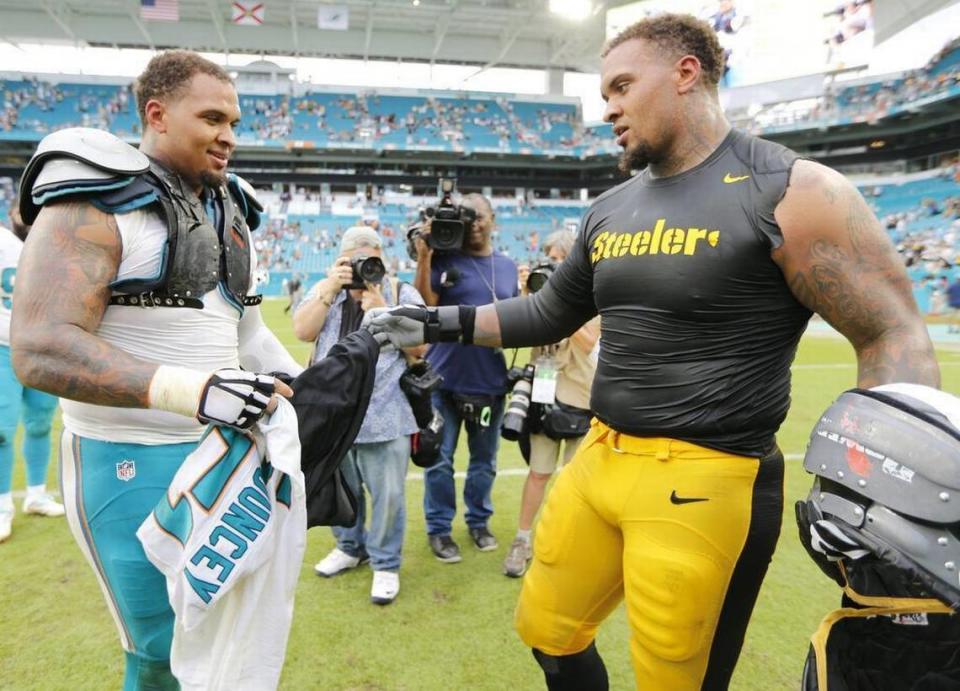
[515, 565]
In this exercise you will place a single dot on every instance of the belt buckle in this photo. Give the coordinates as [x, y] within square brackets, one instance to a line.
[147, 296]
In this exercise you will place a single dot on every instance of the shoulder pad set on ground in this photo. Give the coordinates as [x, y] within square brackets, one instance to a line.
[888, 468]
[81, 161]
[244, 195]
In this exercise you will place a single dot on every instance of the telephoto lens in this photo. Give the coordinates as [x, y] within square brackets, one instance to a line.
[515, 416]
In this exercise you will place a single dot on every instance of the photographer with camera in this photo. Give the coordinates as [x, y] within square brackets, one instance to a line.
[567, 420]
[377, 460]
[475, 378]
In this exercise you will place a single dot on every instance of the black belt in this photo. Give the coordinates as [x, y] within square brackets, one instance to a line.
[158, 300]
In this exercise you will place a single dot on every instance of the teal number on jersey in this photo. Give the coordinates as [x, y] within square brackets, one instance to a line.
[6, 286]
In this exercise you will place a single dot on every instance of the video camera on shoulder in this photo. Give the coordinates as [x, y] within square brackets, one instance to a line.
[366, 270]
[540, 274]
[449, 224]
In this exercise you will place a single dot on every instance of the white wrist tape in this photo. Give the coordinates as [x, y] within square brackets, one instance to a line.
[177, 389]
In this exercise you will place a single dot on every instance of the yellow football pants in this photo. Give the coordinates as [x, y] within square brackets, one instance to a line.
[683, 533]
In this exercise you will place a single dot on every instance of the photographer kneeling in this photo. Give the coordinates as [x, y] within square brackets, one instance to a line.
[333, 308]
[567, 420]
[475, 378]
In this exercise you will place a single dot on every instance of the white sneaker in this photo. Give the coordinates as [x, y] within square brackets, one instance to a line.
[6, 523]
[386, 585]
[43, 505]
[338, 562]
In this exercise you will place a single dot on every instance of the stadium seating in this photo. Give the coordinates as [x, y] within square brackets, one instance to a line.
[922, 218]
[457, 122]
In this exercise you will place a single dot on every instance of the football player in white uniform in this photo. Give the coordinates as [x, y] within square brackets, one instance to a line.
[135, 306]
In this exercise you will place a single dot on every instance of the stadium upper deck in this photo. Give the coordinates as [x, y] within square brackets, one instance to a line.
[458, 123]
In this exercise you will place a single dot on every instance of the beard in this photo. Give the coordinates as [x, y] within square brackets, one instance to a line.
[209, 178]
[635, 158]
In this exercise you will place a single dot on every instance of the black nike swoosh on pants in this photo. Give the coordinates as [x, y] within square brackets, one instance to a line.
[674, 499]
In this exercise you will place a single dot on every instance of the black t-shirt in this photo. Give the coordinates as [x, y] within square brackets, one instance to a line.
[698, 325]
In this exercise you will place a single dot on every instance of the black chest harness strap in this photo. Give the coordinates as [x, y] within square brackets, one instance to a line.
[197, 257]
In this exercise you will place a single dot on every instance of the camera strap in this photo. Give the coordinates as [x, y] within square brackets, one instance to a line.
[351, 316]
[493, 276]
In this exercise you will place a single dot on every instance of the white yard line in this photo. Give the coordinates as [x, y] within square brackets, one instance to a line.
[506, 472]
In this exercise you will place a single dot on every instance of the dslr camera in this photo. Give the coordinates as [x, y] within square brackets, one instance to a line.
[366, 269]
[515, 417]
[449, 224]
[540, 274]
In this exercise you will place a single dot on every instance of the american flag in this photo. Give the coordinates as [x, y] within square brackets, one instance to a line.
[160, 10]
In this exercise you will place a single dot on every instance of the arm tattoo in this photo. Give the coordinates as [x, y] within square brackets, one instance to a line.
[856, 281]
[71, 255]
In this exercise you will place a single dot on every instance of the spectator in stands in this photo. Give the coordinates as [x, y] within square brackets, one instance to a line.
[575, 363]
[475, 380]
[378, 458]
[938, 298]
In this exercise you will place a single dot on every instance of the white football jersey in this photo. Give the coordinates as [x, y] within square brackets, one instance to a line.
[10, 248]
[204, 340]
[229, 536]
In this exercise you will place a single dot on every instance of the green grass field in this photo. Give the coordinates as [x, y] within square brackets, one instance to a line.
[450, 628]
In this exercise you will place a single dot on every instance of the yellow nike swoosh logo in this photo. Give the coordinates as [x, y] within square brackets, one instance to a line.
[740, 178]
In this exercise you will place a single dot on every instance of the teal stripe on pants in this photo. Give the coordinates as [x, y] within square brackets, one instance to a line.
[112, 499]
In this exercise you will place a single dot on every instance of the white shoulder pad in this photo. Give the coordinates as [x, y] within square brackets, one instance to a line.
[73, 159]
[57, 171]
[99, 148]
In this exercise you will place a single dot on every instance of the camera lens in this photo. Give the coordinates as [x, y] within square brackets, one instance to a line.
[366, 270]
[372, 270]
[539, 276]
[516, 414]
[446, 234]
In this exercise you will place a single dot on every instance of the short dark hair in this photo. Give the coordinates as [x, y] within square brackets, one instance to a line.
[168, 74]
[680, 34]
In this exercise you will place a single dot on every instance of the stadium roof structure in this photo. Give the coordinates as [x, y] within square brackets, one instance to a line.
[507, 33]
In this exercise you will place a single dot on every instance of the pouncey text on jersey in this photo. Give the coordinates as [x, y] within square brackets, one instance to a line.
[238, 527]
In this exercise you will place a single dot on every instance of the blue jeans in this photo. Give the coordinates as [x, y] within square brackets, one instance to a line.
[382, 468]
[439, 498]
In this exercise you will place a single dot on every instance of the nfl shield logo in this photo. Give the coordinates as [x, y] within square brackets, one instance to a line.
[126, 471]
